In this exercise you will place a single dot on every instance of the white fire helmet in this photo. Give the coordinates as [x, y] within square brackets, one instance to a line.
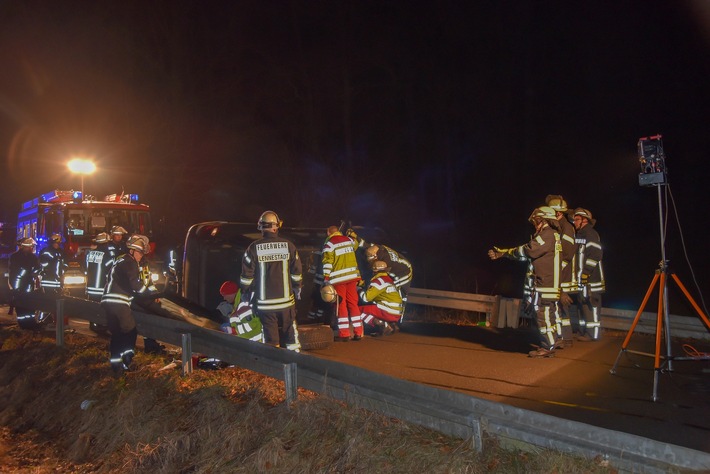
[102, 238]
[328, 293]
[117, 229]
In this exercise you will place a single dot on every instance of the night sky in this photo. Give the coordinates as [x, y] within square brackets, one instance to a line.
[444, 123]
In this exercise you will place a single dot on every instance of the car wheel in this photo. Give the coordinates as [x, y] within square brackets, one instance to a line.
[315, 337]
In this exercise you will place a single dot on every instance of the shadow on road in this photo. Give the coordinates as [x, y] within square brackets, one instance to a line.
[518, 340]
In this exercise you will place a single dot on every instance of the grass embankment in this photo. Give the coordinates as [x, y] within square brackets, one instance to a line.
[223, 421]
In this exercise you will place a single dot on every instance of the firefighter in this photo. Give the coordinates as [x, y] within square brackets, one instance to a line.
[567, 275]
[590, 275]
[386, 305]
[23, 270]
[51, 258]
[340, 270]
[544, 251]
[236, 310]
[400, 268]
[123, 284]
[98, 263]
[271, 270]
[117, 246]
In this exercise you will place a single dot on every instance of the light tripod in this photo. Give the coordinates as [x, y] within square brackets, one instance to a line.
[663, 319]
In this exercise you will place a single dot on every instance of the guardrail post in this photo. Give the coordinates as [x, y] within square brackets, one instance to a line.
[476, 433]
[59, 326]
[186, 354]
[291, 382]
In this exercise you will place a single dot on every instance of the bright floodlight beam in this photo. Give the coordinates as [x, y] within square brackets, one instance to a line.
[81, 167]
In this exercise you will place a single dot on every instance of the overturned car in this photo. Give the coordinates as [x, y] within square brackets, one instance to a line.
[212, 253]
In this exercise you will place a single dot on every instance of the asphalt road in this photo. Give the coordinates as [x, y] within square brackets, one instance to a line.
[576, 384]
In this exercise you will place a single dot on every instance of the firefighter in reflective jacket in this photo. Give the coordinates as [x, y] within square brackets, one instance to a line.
[567, 276]
[400, 268]
[124, 283]
[271, 269]
[236, 309]
[53, 265]
[340, 270]
[544, 251]
[387, 306]
[98, 264]
[23, 269]
[590, 275]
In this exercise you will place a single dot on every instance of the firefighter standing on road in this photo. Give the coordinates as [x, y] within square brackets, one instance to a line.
[124, 282]
[340, 270]
[24, 268]
[590, 276]
[544, 251]
[271, 269]
[567, 276]
[53, 265]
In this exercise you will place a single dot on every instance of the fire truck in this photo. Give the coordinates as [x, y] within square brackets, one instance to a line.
[78, 219]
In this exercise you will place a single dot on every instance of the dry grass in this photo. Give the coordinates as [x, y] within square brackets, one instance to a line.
[225, 421]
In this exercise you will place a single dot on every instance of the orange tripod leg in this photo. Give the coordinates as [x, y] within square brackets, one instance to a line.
[692, 301]
[638, 315]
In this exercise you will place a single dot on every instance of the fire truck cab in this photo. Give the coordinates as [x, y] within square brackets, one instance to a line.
[78, 219]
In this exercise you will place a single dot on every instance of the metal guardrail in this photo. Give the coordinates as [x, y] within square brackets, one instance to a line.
[449, 412]
[505, 312]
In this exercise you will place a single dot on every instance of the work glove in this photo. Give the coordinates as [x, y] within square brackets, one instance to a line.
[495, 253]
[351, 233]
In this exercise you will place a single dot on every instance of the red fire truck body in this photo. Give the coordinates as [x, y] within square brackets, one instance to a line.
[78, 220]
